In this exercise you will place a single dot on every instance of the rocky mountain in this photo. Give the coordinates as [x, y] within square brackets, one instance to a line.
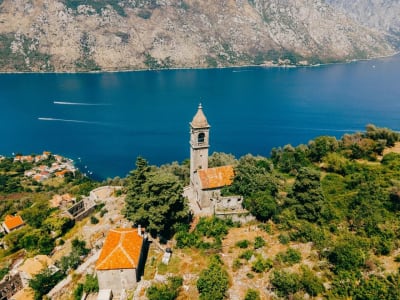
[380, 14]
[73, 35]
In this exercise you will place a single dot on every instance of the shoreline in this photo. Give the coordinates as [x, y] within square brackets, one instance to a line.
[208, 68]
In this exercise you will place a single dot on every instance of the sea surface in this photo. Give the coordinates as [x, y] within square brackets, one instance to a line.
[105, 120]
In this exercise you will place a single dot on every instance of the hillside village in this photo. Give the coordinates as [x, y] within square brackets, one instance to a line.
[316, 221]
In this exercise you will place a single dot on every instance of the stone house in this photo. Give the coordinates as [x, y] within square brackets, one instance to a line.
[12, 223]
[121, 260]
[208, 183]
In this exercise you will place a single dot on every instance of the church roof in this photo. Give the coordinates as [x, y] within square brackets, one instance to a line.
[121, 250]
[199, 120]
[216, 177]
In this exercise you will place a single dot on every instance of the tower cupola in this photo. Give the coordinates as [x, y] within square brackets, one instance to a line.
[199, 120]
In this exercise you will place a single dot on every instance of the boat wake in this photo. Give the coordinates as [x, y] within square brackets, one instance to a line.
[66, 120]
[80, 103]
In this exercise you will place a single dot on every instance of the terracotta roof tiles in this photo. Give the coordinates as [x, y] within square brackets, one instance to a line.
[13, 222]
[121, 250]
[216, 177]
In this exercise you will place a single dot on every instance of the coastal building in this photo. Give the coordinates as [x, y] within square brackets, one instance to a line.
[204, 191]
[121, 260]
[12, 223]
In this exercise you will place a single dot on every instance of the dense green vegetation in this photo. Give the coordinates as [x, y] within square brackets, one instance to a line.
[207, 234]
[43, 282]
[154, 198]
[339, 194]
[97, 5]
[339, 197]
[213, 281]
[169, 291]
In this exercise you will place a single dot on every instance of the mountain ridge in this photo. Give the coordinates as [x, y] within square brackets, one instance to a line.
[66, 36]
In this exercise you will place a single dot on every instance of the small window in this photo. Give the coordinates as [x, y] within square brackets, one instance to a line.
[200, 138]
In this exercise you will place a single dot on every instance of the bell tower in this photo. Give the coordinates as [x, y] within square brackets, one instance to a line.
[199, 143]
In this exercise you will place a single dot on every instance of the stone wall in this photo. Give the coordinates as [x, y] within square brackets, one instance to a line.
[117, 280]
[9, 286]
[82, 209]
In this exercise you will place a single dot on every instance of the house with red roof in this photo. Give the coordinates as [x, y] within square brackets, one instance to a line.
[12, 223]
[121, 260]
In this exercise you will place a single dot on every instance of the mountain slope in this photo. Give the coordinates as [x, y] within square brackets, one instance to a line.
[379, 14]
[44, 35]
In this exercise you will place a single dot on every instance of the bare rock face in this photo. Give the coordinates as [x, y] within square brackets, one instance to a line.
[65, 35]
[380, 14]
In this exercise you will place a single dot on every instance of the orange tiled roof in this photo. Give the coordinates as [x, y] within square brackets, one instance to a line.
[13, 222]
[62, 173]
[121, 250]
[216, 177]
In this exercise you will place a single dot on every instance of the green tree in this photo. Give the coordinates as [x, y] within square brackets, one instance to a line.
[218, 159]
[261, 205]
[154, 199]
[286, 283]
[43, 282]
[253, 174]
[213, 282]
[321, 146]
[290, 159]
[347, 256]
[307, 195]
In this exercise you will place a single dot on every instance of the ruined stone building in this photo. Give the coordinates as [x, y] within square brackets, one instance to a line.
[204, 191]
[121, 260]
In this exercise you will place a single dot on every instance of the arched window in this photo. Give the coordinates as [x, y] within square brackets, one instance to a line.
[200, 138]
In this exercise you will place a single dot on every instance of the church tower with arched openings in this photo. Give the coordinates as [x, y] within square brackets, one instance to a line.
[199, 144]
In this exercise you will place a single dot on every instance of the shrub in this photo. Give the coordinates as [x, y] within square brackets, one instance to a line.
[252, 295]
[259, 242]
[242, 244]
[311, 283]
[290, 257]
[78, 292]
[91, 284]
[213, 282]
[169, 291]
[266, 227]
[261, 264]
[3, 272]
[284, 239]
[346, 256]
[286, 283]
[94, 220]
[236, 264]
[246, 254]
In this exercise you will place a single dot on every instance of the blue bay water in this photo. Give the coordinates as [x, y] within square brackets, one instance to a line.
[108, 119]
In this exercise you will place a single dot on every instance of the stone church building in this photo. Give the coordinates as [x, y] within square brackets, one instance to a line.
[204, 191]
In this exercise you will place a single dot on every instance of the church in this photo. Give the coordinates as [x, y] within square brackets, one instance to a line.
[204, 190]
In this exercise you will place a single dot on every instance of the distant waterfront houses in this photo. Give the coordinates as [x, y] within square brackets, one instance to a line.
[58, 168]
